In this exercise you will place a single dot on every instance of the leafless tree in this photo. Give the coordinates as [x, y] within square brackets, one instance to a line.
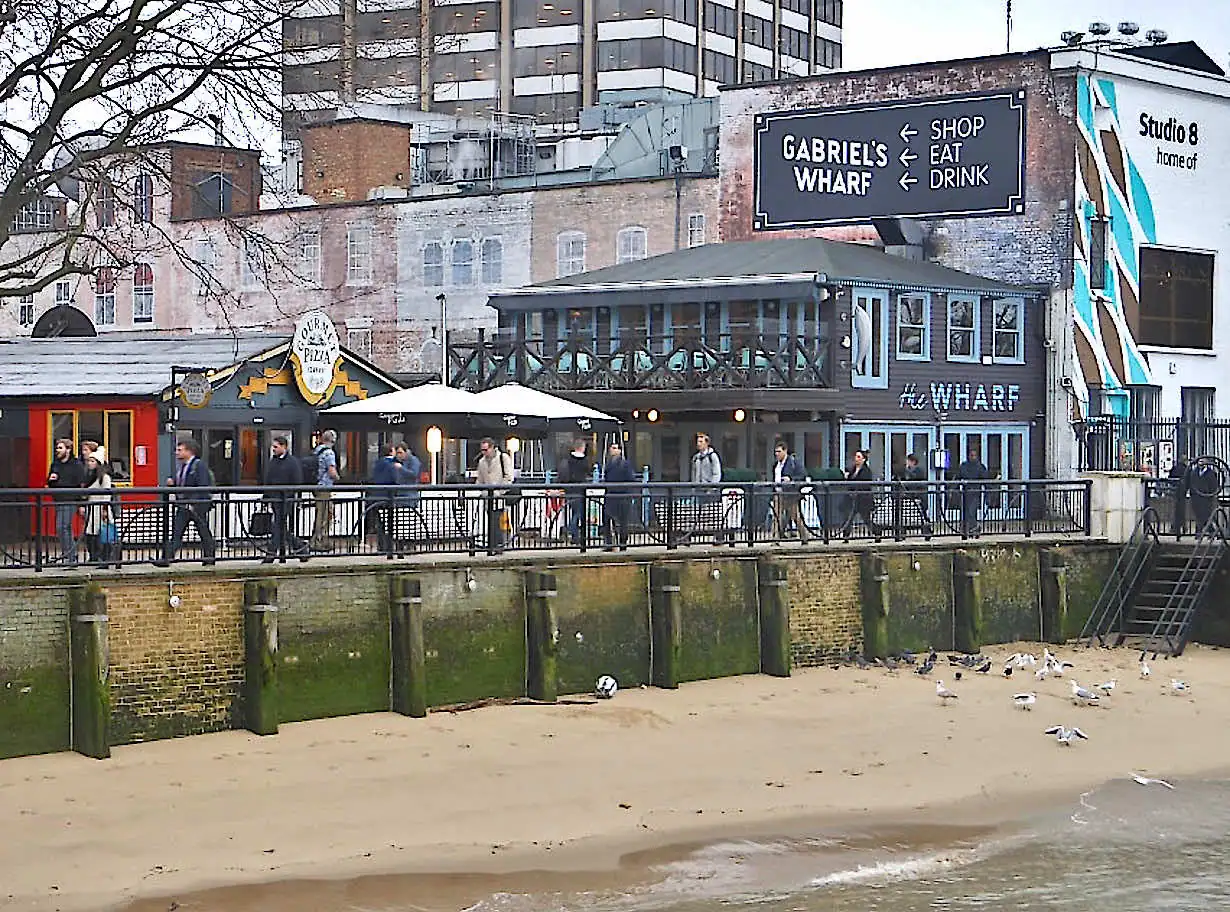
[89, 86]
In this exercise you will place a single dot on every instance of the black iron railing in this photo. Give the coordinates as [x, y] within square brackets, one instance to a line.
[1111, 443]
[41, 529]
[682, 361]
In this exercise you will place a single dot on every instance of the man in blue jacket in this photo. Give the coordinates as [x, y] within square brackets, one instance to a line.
[387, 472]
[190, 506]
[615, 504]
[788, 475]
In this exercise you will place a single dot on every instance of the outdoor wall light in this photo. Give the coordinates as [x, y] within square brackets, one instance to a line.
[513, 445]
[636, 413]
[740, 415]
[652, 415]
[715, 573]
[435, 440]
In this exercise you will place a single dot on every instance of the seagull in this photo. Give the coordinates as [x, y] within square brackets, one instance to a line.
[1065, 735]
[1023, 659]
[1057, 667]
[1083, 695]
[943, 692]
[1107, 686]
[1145, 780]
[1007, 671]
[1144, 669]
[1179, 686]
[1043, 673]
[1024, 701]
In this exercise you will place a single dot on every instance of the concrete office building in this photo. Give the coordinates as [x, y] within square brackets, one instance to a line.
[548, 59]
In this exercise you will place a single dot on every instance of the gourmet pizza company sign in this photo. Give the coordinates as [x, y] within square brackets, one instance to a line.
[315, 350]
[957, 156]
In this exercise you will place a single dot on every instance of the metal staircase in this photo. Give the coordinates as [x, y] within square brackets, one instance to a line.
[1155, 593]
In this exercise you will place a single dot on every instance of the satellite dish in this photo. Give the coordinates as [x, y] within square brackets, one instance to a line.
[69, 184]
[862, 338]
[1070, 38]
[1099, 28]
[1156, 36]
[1128, 28]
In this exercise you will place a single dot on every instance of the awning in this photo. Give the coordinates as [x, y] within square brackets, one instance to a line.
[560, 414]
[456, 412]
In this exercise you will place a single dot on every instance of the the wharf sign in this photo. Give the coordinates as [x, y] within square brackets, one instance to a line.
[956, 156]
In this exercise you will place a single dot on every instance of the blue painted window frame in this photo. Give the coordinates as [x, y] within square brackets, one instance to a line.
[872, 380]
[975, 355]
[1019, 331]
[925, 353]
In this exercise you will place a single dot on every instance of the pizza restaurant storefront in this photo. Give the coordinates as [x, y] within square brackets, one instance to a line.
[140, 396]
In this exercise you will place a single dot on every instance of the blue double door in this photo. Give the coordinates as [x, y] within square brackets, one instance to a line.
[1002, 448]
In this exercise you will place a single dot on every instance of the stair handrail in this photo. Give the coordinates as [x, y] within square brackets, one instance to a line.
[1211, 542]
[1121, 583]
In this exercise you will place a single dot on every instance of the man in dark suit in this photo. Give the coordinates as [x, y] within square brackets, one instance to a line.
[787, 477]
[616, 502]
[972, 470]
[190, 506]
[283, 469]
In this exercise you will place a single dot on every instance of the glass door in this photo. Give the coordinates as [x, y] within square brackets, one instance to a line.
[887, 447]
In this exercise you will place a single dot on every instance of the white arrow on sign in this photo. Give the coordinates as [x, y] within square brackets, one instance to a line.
[906, 132]
[906, 180]
[906, 157]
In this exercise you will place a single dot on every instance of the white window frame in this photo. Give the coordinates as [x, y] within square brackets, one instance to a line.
[567, 262]
[64, 291]
[461, 279]
[252, 272]
[104, 301]
[492, 270]
[1019, 331]
[631, 244]
[696, 229]
[143, 199]
[925, 354]
[975, 355]
[36, 215]
[359, 261]
[205, 259]
[878, 300]
[25, 310]
[143, 295]
[309, 255]
[359, 336]
[433, 273]
[104, 204]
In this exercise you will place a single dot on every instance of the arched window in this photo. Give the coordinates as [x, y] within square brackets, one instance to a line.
[631, 244]
[433, 264]
[104, 297]
[143, 293]
[463, 262]
[143, 199]
[569, 253]
[493, 261]
[104, 204]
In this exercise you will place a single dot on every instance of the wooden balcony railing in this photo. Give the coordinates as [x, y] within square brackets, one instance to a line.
[646, 363]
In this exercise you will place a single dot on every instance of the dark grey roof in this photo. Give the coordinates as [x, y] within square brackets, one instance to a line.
[1186, 54]
[789, 258]
[119, 365]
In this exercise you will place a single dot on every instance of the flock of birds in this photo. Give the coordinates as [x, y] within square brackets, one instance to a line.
[1048, 666]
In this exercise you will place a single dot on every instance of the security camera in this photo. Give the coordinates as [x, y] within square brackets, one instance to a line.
[1066, 383]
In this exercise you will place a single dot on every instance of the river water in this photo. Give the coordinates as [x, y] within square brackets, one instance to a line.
[1120, 848]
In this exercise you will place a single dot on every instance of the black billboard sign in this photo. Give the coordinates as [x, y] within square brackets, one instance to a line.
[954, 156]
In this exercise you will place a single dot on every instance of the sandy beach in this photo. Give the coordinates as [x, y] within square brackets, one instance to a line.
[522, 796]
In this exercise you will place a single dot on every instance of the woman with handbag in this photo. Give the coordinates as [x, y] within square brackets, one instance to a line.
[101, 533]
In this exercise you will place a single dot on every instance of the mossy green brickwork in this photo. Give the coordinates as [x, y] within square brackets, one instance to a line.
[920, 608]
[608, 606]
[720, 629]
[34, 671]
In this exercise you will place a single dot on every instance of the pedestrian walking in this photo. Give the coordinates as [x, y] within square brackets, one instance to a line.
[862, 500]
[190, 506]
[788, 476]
[101, 533]
[324, 456]
[575, 470]
[66, 474]
[915, 477]
[494, 468]
[282, 470]
[973, 473]
[385, 473]
[617, 502]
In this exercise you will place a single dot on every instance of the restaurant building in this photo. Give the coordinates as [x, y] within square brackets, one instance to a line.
[137, 395]
[829, 346]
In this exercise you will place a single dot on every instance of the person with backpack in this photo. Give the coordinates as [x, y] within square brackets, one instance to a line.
[494, 468]
[576, 469]
[190, 506]
[283, 469]
[320, 468]
[707, 470]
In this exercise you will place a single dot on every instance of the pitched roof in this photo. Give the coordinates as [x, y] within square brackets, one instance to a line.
[117, 365]
[1186, 54]
[781, 261]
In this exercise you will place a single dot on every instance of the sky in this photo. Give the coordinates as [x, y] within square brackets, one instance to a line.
[879, 33]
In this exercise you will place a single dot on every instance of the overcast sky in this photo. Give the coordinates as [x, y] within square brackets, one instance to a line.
[886, 32]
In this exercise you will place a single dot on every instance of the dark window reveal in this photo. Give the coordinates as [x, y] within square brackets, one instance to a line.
[1176, 298]
[1097, 254]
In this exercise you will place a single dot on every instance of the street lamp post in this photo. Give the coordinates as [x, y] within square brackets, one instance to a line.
[442, 300]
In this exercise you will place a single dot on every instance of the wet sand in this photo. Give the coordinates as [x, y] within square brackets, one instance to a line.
[367, 810]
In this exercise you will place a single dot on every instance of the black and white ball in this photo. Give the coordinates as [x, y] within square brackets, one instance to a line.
[605, 687]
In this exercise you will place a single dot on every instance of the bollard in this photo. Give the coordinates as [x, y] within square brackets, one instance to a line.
[542, 635]
[874, 592]
[774, 619]
[91, 697]
[1053, 570]
[409, 670]
[260, 657]
[666, 623]
[967, 601]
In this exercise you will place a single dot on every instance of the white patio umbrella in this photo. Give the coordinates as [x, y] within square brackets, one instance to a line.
[560, 414]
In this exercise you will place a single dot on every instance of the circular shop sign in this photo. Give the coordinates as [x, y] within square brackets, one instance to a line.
[195, 390]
